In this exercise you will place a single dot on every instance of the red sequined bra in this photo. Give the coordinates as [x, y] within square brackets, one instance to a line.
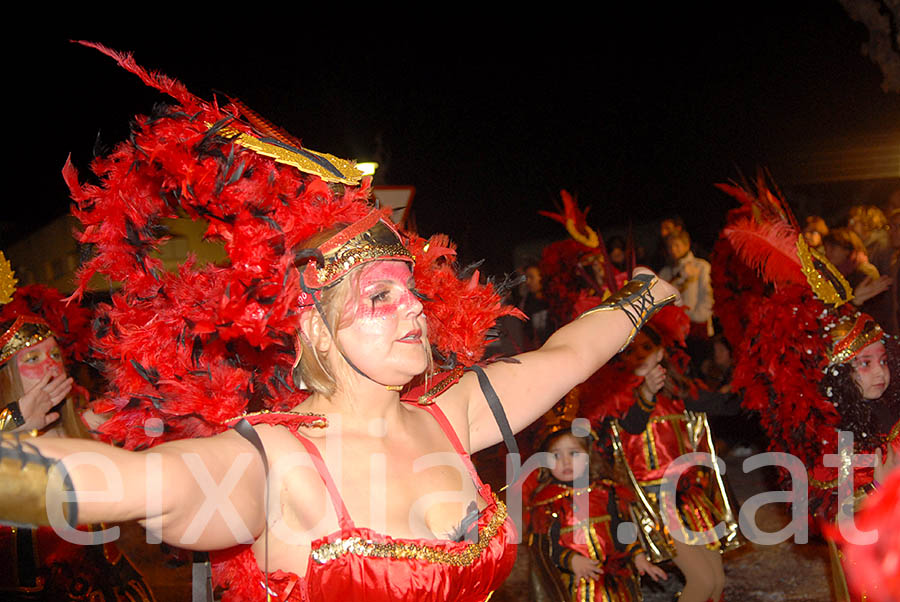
[356, 563]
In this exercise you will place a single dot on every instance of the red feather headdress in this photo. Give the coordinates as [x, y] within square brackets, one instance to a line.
[194, 348]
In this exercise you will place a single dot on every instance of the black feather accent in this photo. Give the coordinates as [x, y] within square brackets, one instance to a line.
[196, 351]
[100, 149]
[262, 214]
[148, 374]
[236, 174]
[101, 325]
[509, 282]
[86, 252]
[280, 376]
[305, 255]
[470, 269]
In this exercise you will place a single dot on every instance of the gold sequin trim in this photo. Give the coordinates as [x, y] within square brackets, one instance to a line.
[565, 494]
[359, 546]
[317, 164]
[359, 250]
[22, 335]
[822, 286]
[451, 379]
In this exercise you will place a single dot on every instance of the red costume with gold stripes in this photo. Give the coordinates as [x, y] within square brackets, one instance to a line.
[556, 506]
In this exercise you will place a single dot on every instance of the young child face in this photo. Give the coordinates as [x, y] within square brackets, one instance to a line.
[870, 371]
[571, 458]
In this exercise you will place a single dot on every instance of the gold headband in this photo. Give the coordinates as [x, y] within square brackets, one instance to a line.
[851, 335]
[369, 239]
[23, 334]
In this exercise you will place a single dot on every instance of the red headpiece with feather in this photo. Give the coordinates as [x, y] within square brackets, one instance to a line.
[197, 347]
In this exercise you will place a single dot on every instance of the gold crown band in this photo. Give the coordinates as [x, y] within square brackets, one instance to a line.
[369, 239]
[22, 335]
[851, 335]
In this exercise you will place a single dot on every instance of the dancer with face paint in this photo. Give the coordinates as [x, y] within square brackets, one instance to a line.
[361, 485]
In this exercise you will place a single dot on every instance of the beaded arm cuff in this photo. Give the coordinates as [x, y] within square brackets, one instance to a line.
[11, 417]
[636, 300]
[27, 480]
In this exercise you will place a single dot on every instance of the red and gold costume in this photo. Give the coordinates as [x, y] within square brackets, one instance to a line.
[554, 509]
[793, 359]
[649, 435]
[187, 351]
[357, 563]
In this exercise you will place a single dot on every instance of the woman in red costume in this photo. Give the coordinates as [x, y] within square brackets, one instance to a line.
[361, 487]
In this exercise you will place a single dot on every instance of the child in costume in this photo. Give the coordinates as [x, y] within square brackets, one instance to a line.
[652, 427]
[580, 555]
[38, 331]
[810, 364]
[655, 414]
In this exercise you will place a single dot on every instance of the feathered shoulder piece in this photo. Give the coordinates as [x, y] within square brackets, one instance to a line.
[187, 350]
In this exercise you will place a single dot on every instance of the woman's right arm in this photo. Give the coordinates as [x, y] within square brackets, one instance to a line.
[199, 494]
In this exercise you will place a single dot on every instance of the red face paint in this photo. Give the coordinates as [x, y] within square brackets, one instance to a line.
[37, 361]
[386, 336]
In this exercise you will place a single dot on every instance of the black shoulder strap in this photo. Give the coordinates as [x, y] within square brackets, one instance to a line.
[497, 409]
[201, 574]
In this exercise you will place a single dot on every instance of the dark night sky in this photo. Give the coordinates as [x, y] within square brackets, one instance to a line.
[638, 111]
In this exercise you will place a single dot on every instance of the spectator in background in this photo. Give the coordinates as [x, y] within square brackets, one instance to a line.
[870, 224]
[816, 229]
[538, 328]
[615, 247]
[891, 324]
[845, 249]
[690, 275]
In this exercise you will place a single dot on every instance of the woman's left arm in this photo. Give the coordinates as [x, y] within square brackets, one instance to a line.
[530, 386]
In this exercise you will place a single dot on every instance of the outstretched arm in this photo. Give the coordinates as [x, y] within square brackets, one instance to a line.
[538, 379]
[198, 494]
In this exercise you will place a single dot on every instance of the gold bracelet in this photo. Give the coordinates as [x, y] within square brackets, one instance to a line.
[25, 478]
[11, 417]
[636, 300]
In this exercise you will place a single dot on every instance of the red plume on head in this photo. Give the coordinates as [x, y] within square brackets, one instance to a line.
[764, 235]
[190, 349]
